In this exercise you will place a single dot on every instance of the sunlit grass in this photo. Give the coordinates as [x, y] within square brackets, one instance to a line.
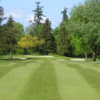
[44, 78]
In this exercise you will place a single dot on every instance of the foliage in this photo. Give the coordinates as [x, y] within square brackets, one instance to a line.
[31, 29]
[64, 12]
[28, 42]
[63, 37]
[8, 38]
[63, 42]
[10, 33]
[19, 30]
[56, 33]
[49, 46]
[1, 14]
[86, 22]
[38, 14]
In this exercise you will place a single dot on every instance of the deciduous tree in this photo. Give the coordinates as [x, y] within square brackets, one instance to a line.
[29, 42]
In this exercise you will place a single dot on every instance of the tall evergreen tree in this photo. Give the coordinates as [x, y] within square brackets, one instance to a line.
[1, 14]
[49, 46]
[8, 37]
[1, 28]
[64, 12]
[63, 38]
[38, 17]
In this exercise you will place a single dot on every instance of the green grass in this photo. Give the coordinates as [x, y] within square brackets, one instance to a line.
[42, 84]
[49, 79]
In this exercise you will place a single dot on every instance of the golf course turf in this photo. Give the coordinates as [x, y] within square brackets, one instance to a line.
[49, 79]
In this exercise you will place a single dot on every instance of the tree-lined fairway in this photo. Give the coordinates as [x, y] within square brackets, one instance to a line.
[49, 79]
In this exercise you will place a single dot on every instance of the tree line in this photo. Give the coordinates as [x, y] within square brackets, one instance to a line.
[77, 35]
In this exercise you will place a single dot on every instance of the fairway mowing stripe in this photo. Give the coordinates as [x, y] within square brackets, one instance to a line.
[91, 76]
[12, 83]
[71, 85]
[6, 64]
[42, 84]
[6, 69]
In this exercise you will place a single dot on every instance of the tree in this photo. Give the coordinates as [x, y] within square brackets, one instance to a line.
[19, 30]
[38, 14]
[87, 17]
[2, 40]
[8, 37]
[38, 18]
[1, 15]
[63, 38]
[64, 12]
[56, 33]
[49, 46]
[29, 42]
[31, 29]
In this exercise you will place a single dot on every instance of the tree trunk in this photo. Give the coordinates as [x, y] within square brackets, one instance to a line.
[94, 56]
[86, 56]
[11, 54]
[28, 52]
[94, 53]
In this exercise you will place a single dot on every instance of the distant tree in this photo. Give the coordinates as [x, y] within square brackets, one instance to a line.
[2, 44]
[1, 14]
[49, 46]
[64, 12]
[38, 17]
[87, 19]
[63, 38]
[8, 36]
[31, 29]
[19, 30]
[29, 42]
[34, 30]
[55, 33]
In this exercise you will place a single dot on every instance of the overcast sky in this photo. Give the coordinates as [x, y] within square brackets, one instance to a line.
[21, 10]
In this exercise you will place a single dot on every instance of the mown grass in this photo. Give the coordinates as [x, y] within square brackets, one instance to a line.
[42, 85]
[54, 78]
[90, 75]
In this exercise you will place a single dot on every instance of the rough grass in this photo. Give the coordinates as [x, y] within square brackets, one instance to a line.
[49, 79]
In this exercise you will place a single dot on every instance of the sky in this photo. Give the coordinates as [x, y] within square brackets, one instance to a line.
[21, 10]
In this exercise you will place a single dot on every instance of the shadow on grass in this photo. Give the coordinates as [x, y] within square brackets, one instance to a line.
[16, 59]
[91, 76]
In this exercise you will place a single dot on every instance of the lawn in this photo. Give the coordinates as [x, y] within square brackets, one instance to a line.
[54, 78]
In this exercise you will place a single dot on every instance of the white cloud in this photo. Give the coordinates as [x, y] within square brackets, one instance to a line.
[44, 18]
[13, 14]
[30, 17]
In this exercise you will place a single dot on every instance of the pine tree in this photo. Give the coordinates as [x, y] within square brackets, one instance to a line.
[63, 38]
[49, 46]
[38, 17]
[64, 12]
[9, 36]
[1, 15]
